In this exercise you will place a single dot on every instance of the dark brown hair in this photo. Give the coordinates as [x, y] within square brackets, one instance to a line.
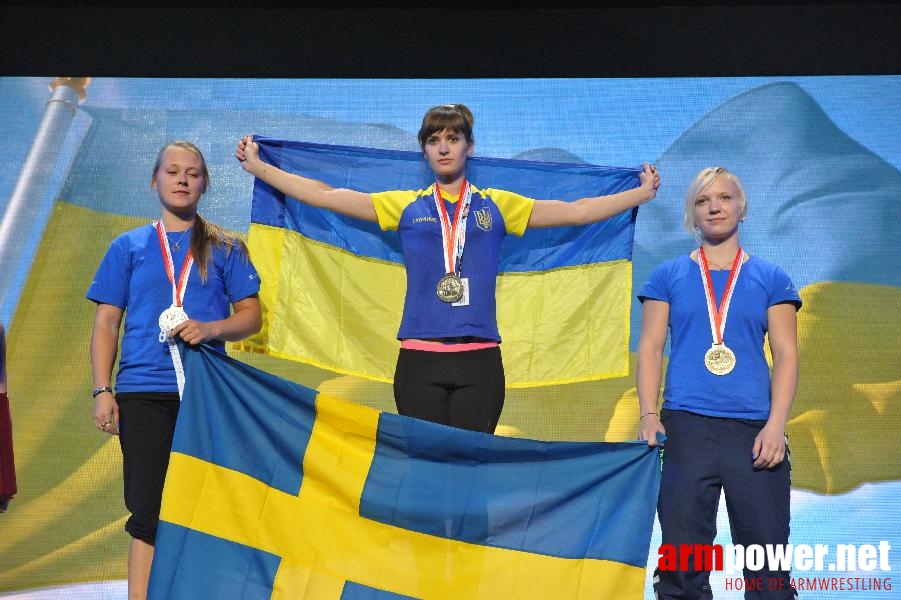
[453, 117]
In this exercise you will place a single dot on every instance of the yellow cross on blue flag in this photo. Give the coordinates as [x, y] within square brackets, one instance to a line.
[333, 286]
[276, 491]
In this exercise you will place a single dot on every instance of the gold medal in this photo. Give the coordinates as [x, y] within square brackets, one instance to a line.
[719, 360]
[171, 318]
[450, 288]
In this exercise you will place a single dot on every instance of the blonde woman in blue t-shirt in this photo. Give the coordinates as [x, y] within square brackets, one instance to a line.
[723, 412]
[180, 276]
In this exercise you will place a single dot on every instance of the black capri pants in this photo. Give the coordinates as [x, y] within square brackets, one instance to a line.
[460, 389]
[146, 427]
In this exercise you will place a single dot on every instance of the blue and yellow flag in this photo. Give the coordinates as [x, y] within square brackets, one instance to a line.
[275, 491]
[333, 286]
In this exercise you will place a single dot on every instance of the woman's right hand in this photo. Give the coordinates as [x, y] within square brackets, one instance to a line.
[650, 425]
[247, 151]
[106, 413]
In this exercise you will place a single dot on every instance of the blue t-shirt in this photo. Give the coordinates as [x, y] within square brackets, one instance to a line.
[132, 276]
[743, 393]
[492, 215]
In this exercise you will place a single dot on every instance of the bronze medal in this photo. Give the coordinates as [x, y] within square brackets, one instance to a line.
[450, 288]
[719, 360]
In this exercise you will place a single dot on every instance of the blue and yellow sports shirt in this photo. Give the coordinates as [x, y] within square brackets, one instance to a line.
[492, 215]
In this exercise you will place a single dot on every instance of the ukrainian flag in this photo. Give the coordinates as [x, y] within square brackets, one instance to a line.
[275, 491]
[333, 286]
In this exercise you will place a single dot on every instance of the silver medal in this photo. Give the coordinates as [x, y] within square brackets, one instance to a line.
[171, 318]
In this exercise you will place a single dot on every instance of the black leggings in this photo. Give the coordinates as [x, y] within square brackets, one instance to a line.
[460, 389]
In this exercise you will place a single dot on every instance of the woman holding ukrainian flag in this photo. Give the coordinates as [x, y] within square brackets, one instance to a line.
[449, 368]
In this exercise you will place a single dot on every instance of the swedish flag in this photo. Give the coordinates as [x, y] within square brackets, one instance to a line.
[277, 491]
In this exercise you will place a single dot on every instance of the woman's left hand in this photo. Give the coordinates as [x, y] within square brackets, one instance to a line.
[769, 447]
[194, 332]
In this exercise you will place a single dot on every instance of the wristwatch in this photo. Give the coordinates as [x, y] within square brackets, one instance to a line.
[97, 391]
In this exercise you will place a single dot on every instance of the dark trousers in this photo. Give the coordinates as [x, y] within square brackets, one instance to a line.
[703, 456]
[146, 428]
[460, 389]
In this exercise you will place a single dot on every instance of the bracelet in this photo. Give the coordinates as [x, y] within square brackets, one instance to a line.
[97, 391]
[641, 418]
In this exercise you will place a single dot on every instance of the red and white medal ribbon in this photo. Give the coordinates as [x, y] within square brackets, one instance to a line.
[453, 233]
[175, 314]
[717, 316]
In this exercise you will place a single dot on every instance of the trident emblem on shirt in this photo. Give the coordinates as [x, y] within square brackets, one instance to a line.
[483, 218]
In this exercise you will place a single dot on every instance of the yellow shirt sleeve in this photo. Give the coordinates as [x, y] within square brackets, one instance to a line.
[515, 208]
[389, 206]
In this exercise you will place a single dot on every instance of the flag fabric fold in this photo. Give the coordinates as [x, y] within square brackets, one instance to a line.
[333, 286]
[277, 491]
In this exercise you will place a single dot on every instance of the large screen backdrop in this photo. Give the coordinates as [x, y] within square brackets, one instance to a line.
[819, 158]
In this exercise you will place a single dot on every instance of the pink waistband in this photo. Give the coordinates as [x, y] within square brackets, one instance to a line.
[445, 347]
